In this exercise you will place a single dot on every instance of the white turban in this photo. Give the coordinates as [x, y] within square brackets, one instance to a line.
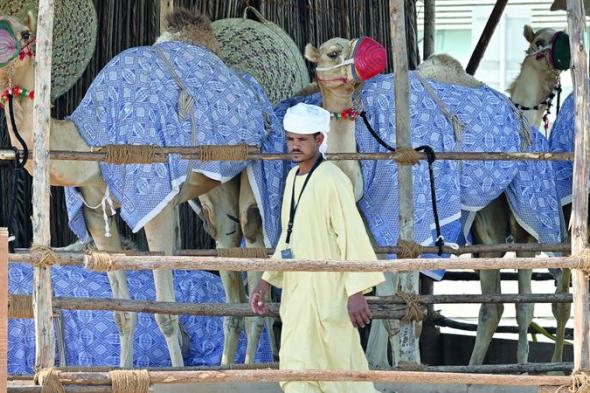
[308, 119]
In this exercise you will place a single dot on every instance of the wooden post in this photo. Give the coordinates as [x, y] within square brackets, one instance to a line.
[408, 282]
[42, 308]
[166, 7]
[3, 308]
[579, 220]
[429, 28]
[487, 33]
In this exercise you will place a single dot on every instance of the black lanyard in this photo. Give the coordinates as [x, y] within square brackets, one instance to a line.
[293, 207]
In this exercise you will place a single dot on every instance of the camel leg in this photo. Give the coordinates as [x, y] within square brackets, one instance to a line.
[524, 311]
[489, 227]
[489, 316]
[125, 321]
[219, 212]
[251, 223]
[162, 233]
[561, 312]
[232, 326]
[524, 315]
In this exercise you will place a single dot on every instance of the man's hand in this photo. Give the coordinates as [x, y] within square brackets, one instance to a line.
[358, 310]
[257, 297]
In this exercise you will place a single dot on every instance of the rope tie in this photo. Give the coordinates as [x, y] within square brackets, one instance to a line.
[20, 306]
[580, 383]
[98, 261]
[452, 118]
[106, 199]
[131, 154]
[223, 153]
[130, 381]
[413, 312]
[46, 255]
[584, 263]
[406, 156]
[49, 381]
[408, 249]
[237, 252]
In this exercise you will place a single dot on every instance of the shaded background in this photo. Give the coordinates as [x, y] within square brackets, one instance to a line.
[126, 23]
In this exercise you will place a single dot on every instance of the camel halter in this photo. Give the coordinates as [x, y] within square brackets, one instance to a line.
[408, 156]
[547, 102]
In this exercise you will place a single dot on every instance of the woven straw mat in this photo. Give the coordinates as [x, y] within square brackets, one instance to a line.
[74, 37]
[265, 51]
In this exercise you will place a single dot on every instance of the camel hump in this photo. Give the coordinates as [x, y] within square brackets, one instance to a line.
[447, 69]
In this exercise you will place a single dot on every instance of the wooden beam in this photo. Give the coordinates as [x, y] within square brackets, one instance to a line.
[194, 153]
[44, 336]
[429, 28]
[579, 221]
[485, 37]
[249, 376]
[148, 262]
[3, 308]
[408, 282]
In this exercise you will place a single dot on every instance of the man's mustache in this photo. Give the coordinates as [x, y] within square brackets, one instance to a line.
[296, 151]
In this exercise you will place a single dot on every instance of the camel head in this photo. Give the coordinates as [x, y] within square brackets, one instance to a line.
[190, 26]
[341, 62]
[16, 51]
[548, 51]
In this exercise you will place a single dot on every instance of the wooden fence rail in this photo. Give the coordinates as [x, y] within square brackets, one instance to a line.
[251, 376]
[150, 262]
[195, 154]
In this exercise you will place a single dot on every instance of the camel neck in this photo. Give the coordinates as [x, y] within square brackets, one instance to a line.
[336, 99]
[530, 88]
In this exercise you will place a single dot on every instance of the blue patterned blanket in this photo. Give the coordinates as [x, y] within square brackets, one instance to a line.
[491, 124]
[91, 337]
[561, 139]
[134, 100]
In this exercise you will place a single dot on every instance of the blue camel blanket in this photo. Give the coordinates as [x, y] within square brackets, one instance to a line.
[491, 123]
[91, 337]
[134, 100]
[561, 140]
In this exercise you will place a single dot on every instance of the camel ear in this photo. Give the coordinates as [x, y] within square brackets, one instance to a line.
[528, 33]
[312, 53]
[31, 22]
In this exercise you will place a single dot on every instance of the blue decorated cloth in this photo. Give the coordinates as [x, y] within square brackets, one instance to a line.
[562, 140]
[491, 123]
[91, 337]
[134, 100]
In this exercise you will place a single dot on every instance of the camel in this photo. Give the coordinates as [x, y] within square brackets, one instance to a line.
[337, 89]
[88, 178]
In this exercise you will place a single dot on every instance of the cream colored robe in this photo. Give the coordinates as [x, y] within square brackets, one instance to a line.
[317, 332]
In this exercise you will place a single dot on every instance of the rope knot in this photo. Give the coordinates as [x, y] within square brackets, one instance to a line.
[580, 383]
[98, 261]
[219, 152]
[130, 381]
[49, 380]
[237, 252]
[408, 249]
[584, 263]
[131, 154]
[413, 312]
[406, 156]
[47, 257]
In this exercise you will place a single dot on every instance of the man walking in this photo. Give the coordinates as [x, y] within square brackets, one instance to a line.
[320, 311]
